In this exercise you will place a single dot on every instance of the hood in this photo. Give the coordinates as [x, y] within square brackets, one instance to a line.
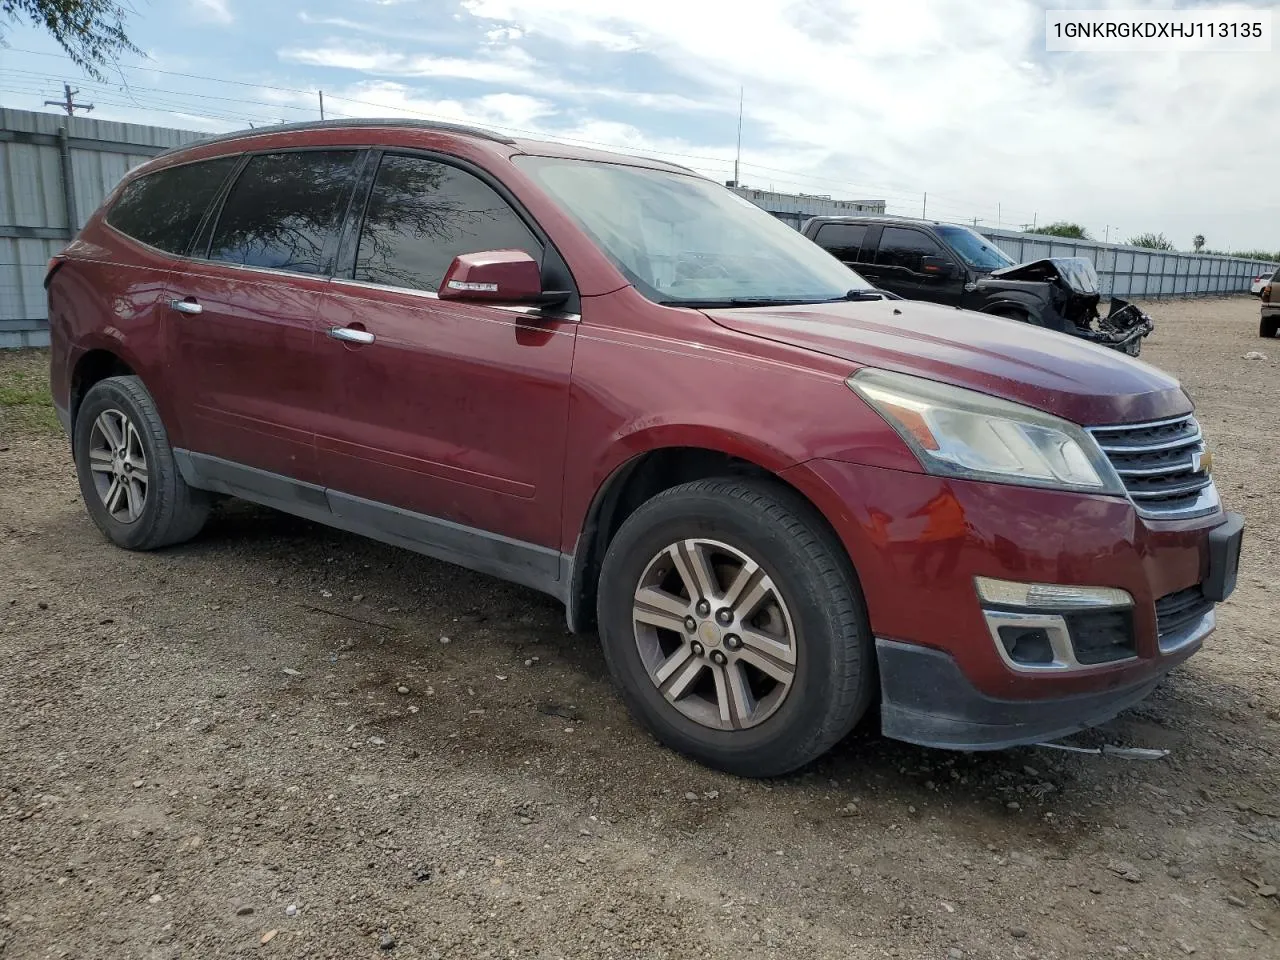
[1054, 372]
[1076, 273]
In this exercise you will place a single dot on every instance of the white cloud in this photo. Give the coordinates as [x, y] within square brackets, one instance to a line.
[215, 10]
[508, 66]
[957, 97]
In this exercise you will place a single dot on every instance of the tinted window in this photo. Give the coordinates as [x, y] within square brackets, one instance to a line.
[164, 208]
[904, 248]
[422, 214]
[842, 240]
[284, 210]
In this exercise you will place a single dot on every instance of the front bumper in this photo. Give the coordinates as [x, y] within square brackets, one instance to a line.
[918, 542]
[927, 700]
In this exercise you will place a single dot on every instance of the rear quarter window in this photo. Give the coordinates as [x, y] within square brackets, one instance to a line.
[163, 209]
[844, 241]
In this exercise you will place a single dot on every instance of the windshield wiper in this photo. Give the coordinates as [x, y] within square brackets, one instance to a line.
[870, 294]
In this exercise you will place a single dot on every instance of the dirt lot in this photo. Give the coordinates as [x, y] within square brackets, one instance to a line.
[284, 741]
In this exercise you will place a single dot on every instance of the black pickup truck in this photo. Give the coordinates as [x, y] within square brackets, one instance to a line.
[951, 264]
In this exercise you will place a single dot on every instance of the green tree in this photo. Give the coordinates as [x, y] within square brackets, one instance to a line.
[1062, 228]
[90, 31]
[1152, 241]
[1198, 242]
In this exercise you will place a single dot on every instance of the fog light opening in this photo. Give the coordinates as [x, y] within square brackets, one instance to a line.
[1027, 645]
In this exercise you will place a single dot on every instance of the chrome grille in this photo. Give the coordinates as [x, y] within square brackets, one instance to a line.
[1159, 463]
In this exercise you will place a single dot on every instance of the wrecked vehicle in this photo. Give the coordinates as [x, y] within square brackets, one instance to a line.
[949, 264]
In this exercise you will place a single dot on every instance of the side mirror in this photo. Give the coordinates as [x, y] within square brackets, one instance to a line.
[937, 267]
[497, 276]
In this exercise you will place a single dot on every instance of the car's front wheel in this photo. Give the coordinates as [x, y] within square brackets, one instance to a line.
[128, 478]
[732, 623]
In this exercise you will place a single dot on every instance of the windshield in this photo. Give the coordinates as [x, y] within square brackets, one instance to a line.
[974, 249]
[684, 240]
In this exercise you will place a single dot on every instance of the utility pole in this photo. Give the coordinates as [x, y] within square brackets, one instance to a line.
[999, 216]
[738, 156]
[924, 207]
[321, 92]
[69, 104]
[1106, 234]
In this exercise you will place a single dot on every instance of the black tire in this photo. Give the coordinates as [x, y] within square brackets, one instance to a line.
[171, 511]
[834, 680]
[1268, 326]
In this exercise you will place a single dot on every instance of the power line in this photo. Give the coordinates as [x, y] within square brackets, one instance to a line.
[900, 195]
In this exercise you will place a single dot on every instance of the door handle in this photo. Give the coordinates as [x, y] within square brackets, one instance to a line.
[186, 306]
[351, 335]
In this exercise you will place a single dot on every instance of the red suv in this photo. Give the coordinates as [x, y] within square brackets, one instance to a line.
[781, 495]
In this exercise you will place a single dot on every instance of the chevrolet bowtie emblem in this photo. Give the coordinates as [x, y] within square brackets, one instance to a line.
[1202, 460]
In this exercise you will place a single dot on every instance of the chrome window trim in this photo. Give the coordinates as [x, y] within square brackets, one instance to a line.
[521, 309]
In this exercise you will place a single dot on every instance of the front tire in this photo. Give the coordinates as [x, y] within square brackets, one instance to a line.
[128, 477]
[733, 625]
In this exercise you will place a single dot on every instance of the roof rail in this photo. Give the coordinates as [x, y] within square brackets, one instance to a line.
[340, 124]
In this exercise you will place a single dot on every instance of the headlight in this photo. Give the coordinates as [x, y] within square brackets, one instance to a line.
[963, 433]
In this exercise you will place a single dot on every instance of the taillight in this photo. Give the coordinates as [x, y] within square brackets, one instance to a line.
[1266, 293]
[54, 264]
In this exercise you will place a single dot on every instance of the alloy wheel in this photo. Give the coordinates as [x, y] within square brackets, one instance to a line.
[118, 464]
[715, 634]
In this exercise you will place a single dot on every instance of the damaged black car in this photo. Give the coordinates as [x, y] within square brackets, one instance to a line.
[951, 264]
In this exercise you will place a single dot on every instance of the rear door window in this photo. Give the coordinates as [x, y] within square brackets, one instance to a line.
[423, 213]
[903, 248]
[163, 209]
[284, 211]
[844, 241]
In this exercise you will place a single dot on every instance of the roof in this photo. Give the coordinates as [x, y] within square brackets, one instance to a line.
[884, 217]
[309, 125]
[542, 148]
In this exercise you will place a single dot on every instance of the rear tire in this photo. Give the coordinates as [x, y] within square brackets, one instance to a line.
[128, 477]
[798, 602]
[1268, 326]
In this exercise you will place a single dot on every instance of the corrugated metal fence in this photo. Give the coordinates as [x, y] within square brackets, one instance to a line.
[54, 172]
[1138, 273]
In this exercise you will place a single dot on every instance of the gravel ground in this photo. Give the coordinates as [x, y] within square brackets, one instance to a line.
[283, 741]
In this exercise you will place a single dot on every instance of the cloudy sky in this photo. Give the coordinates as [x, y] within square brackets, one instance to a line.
[852, 98]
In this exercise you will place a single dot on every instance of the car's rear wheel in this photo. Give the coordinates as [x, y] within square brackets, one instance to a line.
[128, 477]
[1268, 326]
[732, 622]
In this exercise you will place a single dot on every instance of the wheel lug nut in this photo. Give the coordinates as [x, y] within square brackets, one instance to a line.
[732, 641]
[697, 648]
[704, 608]
[718, 657]
[690, 624]
[725, 615]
